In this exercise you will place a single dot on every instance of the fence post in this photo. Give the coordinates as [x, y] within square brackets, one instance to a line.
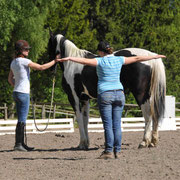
[11, 111]
[43, 111]
[34, 110]
[168, 122]
[5, 111]
[54, 111]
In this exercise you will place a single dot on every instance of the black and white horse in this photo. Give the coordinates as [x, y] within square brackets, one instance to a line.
[146, 80]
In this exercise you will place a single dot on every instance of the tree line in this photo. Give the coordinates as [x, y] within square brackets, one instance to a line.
[153, 25]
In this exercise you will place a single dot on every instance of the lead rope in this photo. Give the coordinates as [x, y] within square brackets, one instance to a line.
[52, 98]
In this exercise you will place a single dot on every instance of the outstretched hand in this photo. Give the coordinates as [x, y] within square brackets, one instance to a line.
[58, 56]
[159, 56]
[63, 59]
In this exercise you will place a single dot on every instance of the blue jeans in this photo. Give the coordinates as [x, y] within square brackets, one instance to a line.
[22, 101]
[111, 105]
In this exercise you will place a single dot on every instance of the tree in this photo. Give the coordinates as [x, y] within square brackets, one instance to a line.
[70, 18]
[21, 19]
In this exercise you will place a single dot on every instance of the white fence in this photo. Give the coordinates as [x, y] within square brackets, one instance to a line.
[55, 125]
[127, 124]
[67, 125]
[134, 124]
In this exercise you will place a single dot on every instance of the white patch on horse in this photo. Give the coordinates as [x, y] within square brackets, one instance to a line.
[148, 123]
[87, 92]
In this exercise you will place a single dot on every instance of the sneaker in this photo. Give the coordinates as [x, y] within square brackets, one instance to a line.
[117, 155]
[106, 155]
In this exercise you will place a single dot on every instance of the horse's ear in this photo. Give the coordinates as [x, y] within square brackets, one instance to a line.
[51, 33]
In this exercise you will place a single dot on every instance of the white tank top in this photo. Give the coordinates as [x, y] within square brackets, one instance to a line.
[21, 71]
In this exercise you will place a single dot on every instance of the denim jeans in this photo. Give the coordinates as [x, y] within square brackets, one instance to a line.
[22, 101]
[111, 105]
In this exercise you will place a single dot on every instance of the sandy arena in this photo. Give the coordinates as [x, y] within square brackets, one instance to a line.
[55, 157]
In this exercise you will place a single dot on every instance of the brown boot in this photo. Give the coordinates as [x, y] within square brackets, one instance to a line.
[106, 155]
[117, 155]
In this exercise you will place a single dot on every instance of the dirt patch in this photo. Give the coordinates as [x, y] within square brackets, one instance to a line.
[56, 158]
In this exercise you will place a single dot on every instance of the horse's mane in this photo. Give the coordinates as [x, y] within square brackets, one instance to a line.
[70, 48]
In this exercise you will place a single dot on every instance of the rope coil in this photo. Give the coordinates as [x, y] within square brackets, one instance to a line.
[52, 98]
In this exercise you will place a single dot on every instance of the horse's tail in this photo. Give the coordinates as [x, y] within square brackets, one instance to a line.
[157, 90]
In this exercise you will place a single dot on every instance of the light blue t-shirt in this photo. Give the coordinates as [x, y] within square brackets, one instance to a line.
[108, 71]
[21, 71]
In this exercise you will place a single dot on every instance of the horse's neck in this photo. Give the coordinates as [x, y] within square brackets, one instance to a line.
[70, 67]
[72, 51]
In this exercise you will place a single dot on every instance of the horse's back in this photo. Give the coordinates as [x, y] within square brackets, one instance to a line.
[128, 52]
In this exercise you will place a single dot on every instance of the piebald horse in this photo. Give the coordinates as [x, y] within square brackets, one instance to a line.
[146, 81]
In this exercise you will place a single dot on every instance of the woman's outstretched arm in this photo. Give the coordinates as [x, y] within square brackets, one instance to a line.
[129, 60]
[86, 61]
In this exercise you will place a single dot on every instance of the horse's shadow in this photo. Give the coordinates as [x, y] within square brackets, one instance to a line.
[67, 149]
[71, 149]
[45, 150]
[78, 149]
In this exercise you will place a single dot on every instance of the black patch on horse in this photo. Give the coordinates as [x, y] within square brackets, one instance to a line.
[136, 77]
[62, 47]
[90, 79]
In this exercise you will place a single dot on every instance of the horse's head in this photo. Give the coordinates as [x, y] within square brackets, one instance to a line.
[52, 44]
[56, 46]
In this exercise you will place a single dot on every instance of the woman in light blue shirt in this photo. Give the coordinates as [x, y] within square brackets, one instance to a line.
[111, 97]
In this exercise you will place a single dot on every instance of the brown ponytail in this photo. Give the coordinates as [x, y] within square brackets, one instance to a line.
[109, 50]
[105, 47]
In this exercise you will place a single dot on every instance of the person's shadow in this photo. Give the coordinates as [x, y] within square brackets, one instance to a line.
[49, 158]
[55, 150]
[2, 151]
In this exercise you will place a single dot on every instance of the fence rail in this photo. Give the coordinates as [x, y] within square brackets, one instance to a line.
[55, 125]
[65, 110]
[127, 124]
[42, 109]
[67, 125]
[58, 110]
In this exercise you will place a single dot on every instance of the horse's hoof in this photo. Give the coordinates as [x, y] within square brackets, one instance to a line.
[154, 142]
[151, 145]
[82, 147]
[142, 145]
